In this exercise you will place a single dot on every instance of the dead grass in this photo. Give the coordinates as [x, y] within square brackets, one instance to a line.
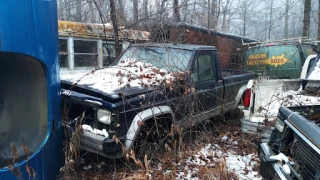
[166, 164]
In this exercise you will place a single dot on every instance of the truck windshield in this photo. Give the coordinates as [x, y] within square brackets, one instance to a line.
[174, 60]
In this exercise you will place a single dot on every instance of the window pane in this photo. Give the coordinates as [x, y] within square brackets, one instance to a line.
[165, 58]
[205, 67]
[85, 46]
[81, 60]
[109, 54]
[63, 51]
[202, 69]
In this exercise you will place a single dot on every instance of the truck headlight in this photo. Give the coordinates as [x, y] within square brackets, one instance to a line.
[104, 116]
[279, 124]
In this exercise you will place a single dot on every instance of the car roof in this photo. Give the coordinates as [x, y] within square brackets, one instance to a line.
[177, 46]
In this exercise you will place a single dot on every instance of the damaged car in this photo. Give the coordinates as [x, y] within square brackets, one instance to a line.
[149, 92]
[293, 149]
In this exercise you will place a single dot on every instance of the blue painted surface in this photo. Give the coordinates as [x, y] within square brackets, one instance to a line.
[30, 27]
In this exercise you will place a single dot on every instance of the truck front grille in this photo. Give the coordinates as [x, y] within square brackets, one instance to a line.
[75, 109]
[307, 158]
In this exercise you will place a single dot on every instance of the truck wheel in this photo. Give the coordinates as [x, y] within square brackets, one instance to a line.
[152, 137]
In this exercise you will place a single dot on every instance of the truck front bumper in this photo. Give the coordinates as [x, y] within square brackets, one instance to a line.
[106, 147]
[269, 169]
[256, 128]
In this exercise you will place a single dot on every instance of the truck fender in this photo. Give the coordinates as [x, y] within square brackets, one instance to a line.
[143, 116]
[240, 93]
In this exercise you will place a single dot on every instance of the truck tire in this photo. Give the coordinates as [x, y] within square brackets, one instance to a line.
[152, 137]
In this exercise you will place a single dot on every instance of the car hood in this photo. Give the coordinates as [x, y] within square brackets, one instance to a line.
[118, 81]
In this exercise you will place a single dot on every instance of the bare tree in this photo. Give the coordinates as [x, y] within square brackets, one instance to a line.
[78, 11]
[92, 14]
[225, 9]
[135, 8]
[185, 10]
[286, 20]
[113, 15]
[121, 14]
[161, 10]
[145, 8]
[318, 45]
[176, 13]
[270, 19]
[244, 18]
[306, 18]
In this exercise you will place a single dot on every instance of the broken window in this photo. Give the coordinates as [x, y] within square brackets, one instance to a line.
[109, 53]
[202, 69]
[63, 52]
[85, 53]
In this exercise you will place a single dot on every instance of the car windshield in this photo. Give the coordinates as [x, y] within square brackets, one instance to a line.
[170, 59]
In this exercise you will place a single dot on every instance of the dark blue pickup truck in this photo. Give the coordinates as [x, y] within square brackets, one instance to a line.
[150, 89]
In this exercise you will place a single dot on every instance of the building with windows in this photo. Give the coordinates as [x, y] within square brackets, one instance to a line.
[89, 46]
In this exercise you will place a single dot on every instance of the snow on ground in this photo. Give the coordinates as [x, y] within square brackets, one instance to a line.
[227, 156]
[288, 98]
[128, 73]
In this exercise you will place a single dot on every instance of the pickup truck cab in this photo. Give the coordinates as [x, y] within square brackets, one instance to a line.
[150, 84]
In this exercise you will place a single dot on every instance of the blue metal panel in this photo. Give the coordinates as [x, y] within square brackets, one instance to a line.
[30, 27]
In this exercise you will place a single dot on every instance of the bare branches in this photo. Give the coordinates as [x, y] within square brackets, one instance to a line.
[115, 27]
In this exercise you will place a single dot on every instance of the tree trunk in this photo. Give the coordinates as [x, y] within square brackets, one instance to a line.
[145, 8]
[185, 10]
[122, 15]
[209, 12]
[286, 20]
[244, 18]
[61, 10]
[135, 10]
[67, 10]
[270, 20]
[318, 24]
[113, 15]
[78, 11]
[224, 14]
[213, 13]
[176, 13]
[163, 2]
[306, 18]
[92, 15]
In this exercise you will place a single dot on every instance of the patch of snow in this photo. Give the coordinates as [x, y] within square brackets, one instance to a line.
[286, 169]
[94, 133]
[211, 155]
[243, 165]
[288, 98]
[128, 73]
[224, 138]
[280, 157]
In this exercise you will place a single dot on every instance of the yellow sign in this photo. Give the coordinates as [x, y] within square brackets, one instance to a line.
[261, 59]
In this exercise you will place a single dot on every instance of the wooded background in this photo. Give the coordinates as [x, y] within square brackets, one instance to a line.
[257, 19]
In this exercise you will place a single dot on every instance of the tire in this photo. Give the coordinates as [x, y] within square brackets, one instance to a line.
[152, 137]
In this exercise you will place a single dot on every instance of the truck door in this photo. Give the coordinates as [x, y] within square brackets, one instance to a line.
[203, 76]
